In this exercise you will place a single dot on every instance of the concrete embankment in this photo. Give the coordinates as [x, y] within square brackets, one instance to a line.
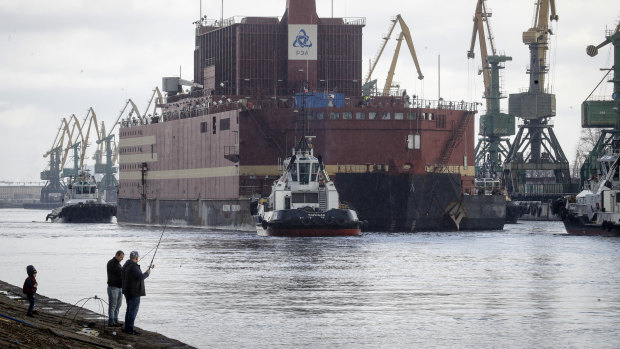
[61, 325]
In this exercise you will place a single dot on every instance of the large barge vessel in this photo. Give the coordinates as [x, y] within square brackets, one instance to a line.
[403, 163]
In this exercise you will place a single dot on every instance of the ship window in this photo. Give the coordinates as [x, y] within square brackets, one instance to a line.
[320, 115]
[304, 173]
[305, 198]
[92, 190]
[347, 115]
[399, 116]
[203, 127]
[310, 116]
[430, 116]
[334, 115]
[412, 115]
[386, 116]
[315, 168]
[224, 124]
[441, 121]
[372, 115]
[214, 124]
[294, 172]
[360, 115]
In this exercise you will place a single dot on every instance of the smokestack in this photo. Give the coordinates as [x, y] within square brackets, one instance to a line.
[301, 12]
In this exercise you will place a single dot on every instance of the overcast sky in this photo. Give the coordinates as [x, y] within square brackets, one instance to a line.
[61, 57]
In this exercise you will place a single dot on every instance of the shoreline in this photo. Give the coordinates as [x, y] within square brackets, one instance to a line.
[62, 325]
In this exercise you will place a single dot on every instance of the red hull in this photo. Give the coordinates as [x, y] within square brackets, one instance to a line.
[305, 232]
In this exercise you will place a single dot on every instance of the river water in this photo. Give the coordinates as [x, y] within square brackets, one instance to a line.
[527, 286]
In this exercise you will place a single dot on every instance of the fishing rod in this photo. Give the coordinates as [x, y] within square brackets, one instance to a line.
[151, 266]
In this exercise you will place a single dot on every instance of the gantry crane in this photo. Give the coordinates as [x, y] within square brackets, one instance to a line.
[106, 144]
[495, 126]
[404, 34]
[536, 167]
[54, 189]
[603, 114]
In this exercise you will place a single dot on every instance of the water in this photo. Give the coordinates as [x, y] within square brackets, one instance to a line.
[527, 286]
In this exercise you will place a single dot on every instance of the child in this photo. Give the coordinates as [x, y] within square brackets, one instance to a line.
[30, 288]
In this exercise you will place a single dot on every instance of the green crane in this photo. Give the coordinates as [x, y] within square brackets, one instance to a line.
[54, 189]
[495, 126]
[109, 181]
[603, 114]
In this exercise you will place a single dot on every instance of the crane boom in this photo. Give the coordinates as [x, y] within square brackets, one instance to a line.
[405, 34]
[480, 17]
[409, 41]
[385, 41]
[539, 33]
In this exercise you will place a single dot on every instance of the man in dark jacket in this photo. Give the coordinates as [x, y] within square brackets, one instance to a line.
[115, 284]
[30, 288]
[133, 289]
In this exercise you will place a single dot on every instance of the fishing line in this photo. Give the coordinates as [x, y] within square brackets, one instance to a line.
[159, 242]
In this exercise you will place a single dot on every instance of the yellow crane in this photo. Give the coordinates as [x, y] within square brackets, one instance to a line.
[404, 34]
[481, 21]
[540, 31]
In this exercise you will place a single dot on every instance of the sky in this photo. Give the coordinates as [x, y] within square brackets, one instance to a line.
[62, 57]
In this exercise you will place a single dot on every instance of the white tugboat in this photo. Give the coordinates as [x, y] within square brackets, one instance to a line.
[596, 209]
[83, 204]
[304, 201]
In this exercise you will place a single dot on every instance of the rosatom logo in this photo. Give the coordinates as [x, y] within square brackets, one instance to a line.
[302, 40]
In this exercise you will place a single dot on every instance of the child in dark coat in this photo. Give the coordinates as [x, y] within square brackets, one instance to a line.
[30, 288]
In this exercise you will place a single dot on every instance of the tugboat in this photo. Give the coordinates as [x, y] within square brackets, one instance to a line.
[596, 209]
[304, 200]
[83, 204]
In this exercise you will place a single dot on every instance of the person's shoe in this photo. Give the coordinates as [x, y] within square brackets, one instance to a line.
[35, 312]
[136, 333]
[125, 331]
[116, 324]
[29, 314]
[111, 324]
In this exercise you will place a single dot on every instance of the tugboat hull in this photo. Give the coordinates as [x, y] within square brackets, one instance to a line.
[580, 226]
[299, 222]
[308, 232]
[83, 213]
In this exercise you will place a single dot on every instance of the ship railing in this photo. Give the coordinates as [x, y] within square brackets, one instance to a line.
[545, 189]
[456, 169]
[354, 21]
[360, 168]
[442, 104]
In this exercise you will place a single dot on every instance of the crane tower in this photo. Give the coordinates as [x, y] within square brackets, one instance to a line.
[603, 113]
[536, 167]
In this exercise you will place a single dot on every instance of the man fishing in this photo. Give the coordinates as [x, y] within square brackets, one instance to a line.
[133, 289]
[115, 284]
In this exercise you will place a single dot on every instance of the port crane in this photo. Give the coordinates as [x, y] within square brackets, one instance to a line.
[603, 113]
[82, 142]
[536, 167]
[404, 34]
[106, 144]
[495, 126]
[54, 189]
